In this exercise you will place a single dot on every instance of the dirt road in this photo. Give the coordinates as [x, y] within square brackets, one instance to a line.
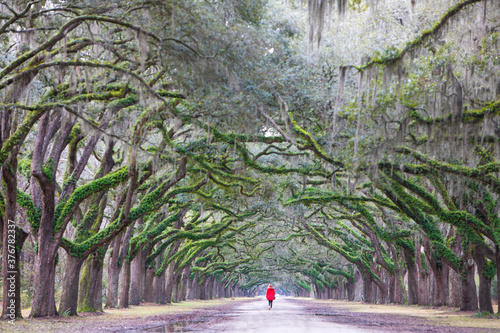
[285, 317]
[291, 315]
[252, 315]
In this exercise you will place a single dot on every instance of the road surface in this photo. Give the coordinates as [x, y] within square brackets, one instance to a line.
[285, 317]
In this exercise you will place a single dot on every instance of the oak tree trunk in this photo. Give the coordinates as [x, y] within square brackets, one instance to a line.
[69, 297]
[125, 280]
[136, 276]
[455, 284]
[184, 284]
[350, 286]
[13, 238]
[160, 293]
[125, 285]
[170, 283]
[468, 301]
[367, 290]
[485, 302]
[90, 289]
[13, 241]
[44, 303]
[193, 294]
[114, 274]
[497, 257]
[149, 290]
[412, 279]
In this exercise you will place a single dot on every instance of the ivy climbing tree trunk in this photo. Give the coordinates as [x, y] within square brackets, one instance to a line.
[90, 289]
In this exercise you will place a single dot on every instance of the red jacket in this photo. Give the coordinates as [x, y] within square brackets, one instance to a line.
[270, 294]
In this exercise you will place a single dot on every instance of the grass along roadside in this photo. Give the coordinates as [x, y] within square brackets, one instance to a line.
[442, 316]
[134, 315]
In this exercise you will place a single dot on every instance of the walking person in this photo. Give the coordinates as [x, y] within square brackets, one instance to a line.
[270, 295]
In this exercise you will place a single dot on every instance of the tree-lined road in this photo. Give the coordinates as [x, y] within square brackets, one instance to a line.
[164, 151]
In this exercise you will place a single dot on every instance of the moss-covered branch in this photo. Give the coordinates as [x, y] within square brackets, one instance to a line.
[393, 57]
[81, 193]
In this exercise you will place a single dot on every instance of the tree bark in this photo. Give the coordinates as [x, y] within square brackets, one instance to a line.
[454, 274]
[177, 288]
[497, 257]
[485, 302]
[160, 293]
[374, 293]
[468, 300]
[159, 289]
[392, 288]
[440, 291]
[446, 283]
[13, 238]
[170, 271]
[44, 303]
[136, 277]
[90, 289]
[193, 291]
[12, 270]
[124, 252]
[367, 289]
[203, 289]
[69, 297]
[87, 226]
[422, 274]
[176, 297]
[184, 284]
[144, 273]
[149, 290]
[437, 267]
[44, 172]
[350, 286]
[114, 274]
[125, 285]
[455, 284]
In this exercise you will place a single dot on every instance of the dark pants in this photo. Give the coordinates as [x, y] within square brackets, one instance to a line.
[271, 303]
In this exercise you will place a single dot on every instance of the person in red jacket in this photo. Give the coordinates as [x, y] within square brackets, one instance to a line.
[270, 295]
